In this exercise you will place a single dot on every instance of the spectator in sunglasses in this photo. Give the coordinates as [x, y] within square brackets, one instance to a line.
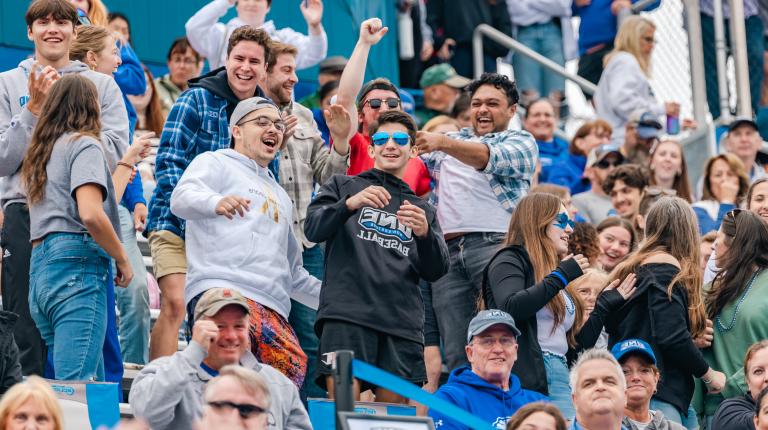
[370, 221]
[166, 393]
[373, 98]
[625, 186]
[642, 132]
[594, 205]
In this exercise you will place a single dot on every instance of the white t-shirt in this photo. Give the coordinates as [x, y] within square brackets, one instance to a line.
[557, 342]
[467, 202]
[642, 426]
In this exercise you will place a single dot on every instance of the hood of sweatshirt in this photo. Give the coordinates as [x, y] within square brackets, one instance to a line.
[216, 82]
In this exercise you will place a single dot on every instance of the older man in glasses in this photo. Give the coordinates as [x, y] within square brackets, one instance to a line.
[487, 388]
[168, 393]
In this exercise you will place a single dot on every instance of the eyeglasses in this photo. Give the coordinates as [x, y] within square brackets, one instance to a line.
[488, 342]
[563, 221]
[245, 410]
[265, 122]
[82, 18]
[185, 61]
[382, 137]
[604, 164]
[376, 103]
[655, 191]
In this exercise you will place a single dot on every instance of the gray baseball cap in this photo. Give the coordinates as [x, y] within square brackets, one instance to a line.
[485, 319]
[249, 105]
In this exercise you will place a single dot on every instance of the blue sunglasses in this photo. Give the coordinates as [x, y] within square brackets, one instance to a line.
[82, 18]
[382, 137]
[562, 221]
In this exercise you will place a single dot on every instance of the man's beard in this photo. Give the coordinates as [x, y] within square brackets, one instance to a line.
[276, 88]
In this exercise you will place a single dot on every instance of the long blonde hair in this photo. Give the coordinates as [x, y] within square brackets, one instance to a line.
[36, 388]
[528, 228]
[672, 227]
[628, 40]
[97, 13]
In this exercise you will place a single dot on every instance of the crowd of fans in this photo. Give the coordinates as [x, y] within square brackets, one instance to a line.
[584, 284]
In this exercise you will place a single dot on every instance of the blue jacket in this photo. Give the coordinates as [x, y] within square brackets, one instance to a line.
[551, 153]
[598, 23]
[481, 399]
[568, 173]
[317, 114]
[706, 222]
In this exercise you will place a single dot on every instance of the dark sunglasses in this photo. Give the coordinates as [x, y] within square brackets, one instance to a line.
[382, 137]
[265, 122]
[604, 164]
[563, 221]
[245, 410]
[734, 213]
[655, 191]
[82, 18]
[376, 103]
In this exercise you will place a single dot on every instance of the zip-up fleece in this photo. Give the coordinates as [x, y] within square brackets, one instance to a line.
[168, 392]
[258, 253]
[17, 123]
[490, 403]
[373, 262]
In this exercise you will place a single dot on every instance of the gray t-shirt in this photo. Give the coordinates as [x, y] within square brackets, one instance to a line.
[592, 207]
[72, 164]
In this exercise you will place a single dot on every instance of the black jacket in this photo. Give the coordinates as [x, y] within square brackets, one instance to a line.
[372, 262]
[735, 414]
[509, 285]
[651, 316]
[10, 369]
[216, 82]
[458, 19]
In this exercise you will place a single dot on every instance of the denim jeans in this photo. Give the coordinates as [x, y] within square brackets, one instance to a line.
[558, 383]
[302, 319]
[672, 414]
[68, 301]
[454, 296]
[133, 301]
[547, 40]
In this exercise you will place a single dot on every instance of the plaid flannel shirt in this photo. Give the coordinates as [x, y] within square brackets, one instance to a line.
[306, 160]
[510, 169]
[197, 124]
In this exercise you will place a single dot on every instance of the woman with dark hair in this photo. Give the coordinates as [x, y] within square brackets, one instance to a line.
[666, 310]
[149, 111]
[737, 299]
[584, 241]
[461, 110]
[616, 238]
[737, 413]
[537, 416]
[569, 172]
[650, 196]
[761, 411]
[669, 170]
[757, 198]
[725, 185]
[528, 280]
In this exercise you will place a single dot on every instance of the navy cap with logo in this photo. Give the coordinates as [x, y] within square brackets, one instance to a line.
[485, 319]
[632, 345]
[597, 155]
[740, 120]
[646, 122]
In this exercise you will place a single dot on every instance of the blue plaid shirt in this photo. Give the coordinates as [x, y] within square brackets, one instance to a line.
[510, 168]
[197, 124]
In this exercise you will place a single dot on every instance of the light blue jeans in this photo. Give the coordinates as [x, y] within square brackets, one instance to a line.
[133, 301]
[672, 414]
[68, 278]
[558, 383]
[547, 40]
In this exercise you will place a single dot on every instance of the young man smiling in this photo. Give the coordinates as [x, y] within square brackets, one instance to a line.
[255, 250]
[625, 186]
[373, 221]
[51, 26]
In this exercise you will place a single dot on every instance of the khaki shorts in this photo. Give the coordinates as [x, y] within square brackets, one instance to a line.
[169, 253]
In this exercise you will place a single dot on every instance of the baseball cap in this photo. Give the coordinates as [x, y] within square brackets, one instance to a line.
[244, 108]
[408, 103]
[742, 120]
[370, 86]
[442, 74]
[485, 319]
[337, 63]
[629, 345]
[598, 154]
[216, 298]
[647, 123]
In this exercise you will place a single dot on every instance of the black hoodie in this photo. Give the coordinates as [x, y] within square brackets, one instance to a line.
[372, 262]
[216, 82]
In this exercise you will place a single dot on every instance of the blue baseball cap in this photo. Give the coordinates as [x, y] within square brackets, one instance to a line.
[409, 104]
[646, 122]
[631, 345]
[485, 319]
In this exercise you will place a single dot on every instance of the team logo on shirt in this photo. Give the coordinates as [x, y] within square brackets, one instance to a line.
[385, 224]
[501, 422]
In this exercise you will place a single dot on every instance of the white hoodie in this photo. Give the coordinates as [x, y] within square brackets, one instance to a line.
[258, 254]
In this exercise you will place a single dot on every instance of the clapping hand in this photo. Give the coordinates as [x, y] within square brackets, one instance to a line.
[627, 287]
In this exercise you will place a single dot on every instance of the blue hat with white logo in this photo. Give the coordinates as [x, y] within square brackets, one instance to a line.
[631, 345]
[486, 319]
[409, 105]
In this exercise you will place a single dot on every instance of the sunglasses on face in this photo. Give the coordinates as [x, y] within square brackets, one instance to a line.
[82, 18]
[562, 221]
[245, 410]
[655, 191]
[382, 137]
[265, 122]
[376, 103]
[604, 164]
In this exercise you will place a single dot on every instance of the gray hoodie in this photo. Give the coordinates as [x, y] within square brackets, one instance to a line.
[168, 393]
[17, 123]
[657, 423]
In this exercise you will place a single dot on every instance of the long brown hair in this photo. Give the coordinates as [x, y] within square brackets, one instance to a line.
[752, 190]
[528, 228]
[154, 116]
[746, 236]
[672, 227]
[72, 106]
[526, 411]
[738, 169]
[681, 184]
